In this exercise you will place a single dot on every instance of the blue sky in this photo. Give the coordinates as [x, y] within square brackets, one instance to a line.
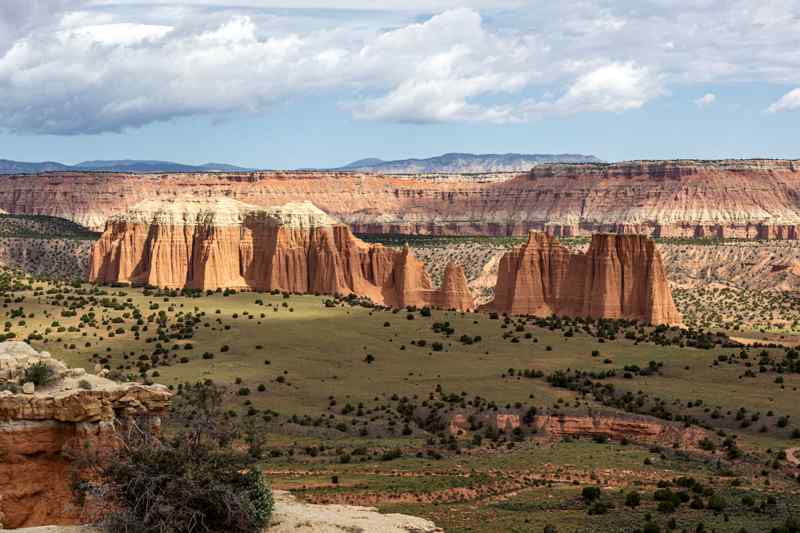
[257, 84]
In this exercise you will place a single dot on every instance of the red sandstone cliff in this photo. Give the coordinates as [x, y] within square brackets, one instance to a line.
[745, 199]
[296, 248]
[620, 276]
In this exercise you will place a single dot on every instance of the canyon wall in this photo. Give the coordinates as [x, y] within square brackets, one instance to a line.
[695, 199]
[39, 428]
[223, 243]
[619, 276]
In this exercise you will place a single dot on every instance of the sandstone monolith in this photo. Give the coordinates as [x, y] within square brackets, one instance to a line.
[620, 276]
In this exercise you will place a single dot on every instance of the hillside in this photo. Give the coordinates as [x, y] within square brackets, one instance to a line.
[476, 423]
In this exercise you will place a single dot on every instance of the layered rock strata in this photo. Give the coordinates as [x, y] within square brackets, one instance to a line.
[224, 243]
[691, 199]
[619, 276]
[39, 427]
[614, 426]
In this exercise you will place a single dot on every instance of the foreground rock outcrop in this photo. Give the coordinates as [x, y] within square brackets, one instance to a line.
[38, 428]
[676, 198]
[293, 516]
[619, 276]
[223, 243]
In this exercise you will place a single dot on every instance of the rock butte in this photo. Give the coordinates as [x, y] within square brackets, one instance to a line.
[682, 198]
[36, 429]
[619, 276]
[223, 243]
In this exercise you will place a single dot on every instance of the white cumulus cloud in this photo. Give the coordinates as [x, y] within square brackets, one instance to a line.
[788, 102]
[19, 17]
[615, 87]
[705, 100]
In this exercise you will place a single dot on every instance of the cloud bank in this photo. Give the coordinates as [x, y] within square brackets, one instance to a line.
[76, 67]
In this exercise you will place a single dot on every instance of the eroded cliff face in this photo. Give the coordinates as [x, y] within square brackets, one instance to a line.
[711, 199]
[38, 429]
[619, 276]
[223, 243]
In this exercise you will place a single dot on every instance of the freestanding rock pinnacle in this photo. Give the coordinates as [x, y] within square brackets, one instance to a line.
[620, 276]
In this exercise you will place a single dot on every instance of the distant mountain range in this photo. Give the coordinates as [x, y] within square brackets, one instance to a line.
[456, 163]
[122, 165]
[466, 163]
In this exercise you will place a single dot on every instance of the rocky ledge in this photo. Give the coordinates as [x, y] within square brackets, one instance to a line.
[40, 425]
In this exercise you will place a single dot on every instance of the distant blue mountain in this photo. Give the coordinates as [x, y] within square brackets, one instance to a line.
[18, 167]
[455, 162]
[466, 163]
[123, 165]
[363, 163]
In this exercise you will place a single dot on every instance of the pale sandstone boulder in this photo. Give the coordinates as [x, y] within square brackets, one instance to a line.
[17, 355]
[620, 276]
[293, 516]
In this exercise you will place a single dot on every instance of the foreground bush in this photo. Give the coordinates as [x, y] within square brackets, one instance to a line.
[40, 374]
[194, 480]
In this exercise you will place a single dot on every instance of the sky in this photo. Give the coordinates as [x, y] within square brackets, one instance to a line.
[320, 83]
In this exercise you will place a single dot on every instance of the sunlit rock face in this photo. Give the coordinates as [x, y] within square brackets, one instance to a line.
[619, 276]
[673, 198]
[223, 243]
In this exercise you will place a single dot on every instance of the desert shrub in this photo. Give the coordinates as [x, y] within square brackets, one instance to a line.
[633, 499]
[717, 503]
[590, 493]
[666, 506]
[390, 455]
[10, 387]
[598, 507]
[39, 374]
[192, 480]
